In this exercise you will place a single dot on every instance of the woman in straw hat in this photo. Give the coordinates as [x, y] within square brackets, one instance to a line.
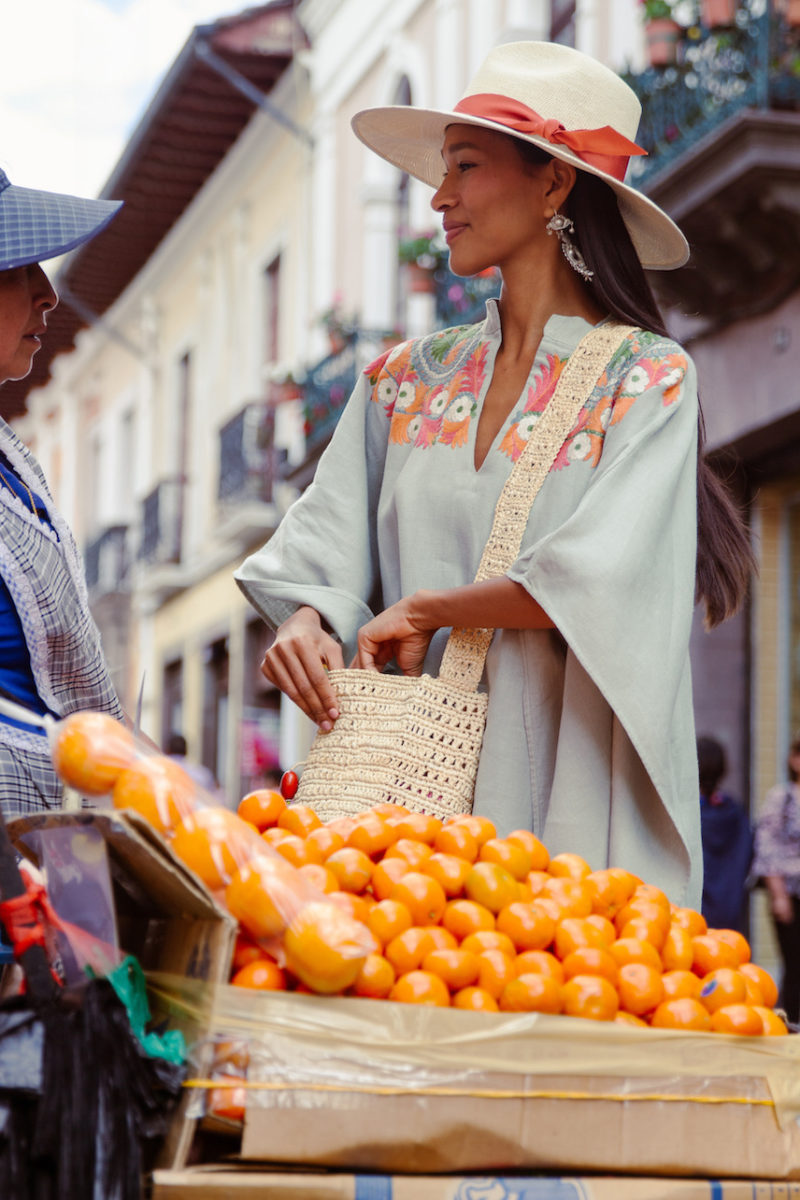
[589, 738]
[51, 660]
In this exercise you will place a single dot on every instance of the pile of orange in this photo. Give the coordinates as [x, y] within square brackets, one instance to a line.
[464, 918]
[402, 906]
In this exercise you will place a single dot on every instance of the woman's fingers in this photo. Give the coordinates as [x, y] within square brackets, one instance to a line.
[298, 668]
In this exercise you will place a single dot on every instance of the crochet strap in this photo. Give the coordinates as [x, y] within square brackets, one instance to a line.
[466, 649]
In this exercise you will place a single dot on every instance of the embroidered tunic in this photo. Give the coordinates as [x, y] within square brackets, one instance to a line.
[590, 738]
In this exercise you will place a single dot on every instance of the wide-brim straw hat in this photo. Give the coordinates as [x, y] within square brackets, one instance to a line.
[37, 225]
[556, 98]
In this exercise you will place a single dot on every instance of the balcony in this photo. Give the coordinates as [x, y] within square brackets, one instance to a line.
[246, 451]
[248, 463]
[722, 131]
[326, 390]
[162, 523]
[106, 561]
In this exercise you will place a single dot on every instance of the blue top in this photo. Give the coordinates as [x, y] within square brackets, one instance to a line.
[727, 852]
[16, 674]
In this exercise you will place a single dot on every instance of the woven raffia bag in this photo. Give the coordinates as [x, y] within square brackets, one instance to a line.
[416, 740]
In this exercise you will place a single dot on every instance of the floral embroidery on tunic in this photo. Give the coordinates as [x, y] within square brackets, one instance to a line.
[429, 390]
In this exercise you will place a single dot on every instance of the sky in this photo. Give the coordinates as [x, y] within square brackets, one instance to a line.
[77, 76]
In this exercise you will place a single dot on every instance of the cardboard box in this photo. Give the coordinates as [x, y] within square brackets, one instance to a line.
[376, 1086]
[224, 1183]
[165, 917]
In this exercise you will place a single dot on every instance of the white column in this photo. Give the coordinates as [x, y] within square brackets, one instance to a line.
[527, 19]
[324, 229]
[379, 281]
[236, 669]
[297, 733]
[68, 437]
[448, 76]
[482, 26]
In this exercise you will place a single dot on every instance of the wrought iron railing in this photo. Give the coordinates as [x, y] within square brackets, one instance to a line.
[162, 523]
[753, 64]
[462, 300]
[326, 390]
[246, 455]
[106, 561]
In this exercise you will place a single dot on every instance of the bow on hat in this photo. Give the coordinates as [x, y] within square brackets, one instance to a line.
[603, 148]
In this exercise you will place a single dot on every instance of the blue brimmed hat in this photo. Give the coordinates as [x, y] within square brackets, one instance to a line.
[36, 225]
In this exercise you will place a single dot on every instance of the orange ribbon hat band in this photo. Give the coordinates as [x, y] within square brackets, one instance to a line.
[602, 148]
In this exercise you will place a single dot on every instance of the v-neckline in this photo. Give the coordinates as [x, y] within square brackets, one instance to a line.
[493, 330]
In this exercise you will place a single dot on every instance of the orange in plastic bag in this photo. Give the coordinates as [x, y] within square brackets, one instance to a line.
[158, 789]
[90, 749]
[325, 947]
[213, 842]
[258, 896]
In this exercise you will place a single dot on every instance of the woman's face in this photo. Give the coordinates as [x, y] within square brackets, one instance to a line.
[26, 295]
[493, 203]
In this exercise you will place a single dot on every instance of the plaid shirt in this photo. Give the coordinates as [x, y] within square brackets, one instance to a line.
[42, 569]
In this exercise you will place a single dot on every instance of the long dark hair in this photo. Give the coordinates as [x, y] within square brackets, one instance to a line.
[725, 560]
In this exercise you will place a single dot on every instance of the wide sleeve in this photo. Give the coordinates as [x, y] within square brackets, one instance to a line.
[324, 552]
[617, 574]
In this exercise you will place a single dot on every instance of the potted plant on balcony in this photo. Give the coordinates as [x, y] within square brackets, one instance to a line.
[662, 31]
[338, 327]
[718, 14]
[421, 254]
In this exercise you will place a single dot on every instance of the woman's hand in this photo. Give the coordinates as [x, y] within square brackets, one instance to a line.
[780, 901]
[404, 630]
[398, 632]
[297, 662]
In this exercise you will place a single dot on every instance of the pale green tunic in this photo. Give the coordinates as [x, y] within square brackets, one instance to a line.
[590, 736]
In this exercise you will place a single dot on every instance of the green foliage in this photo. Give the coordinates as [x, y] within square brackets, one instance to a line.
[427, 250]
[654, 10]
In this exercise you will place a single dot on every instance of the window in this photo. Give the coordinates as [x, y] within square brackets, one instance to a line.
[215, 707]
[172, 699]
[562, 22]
[272, 308]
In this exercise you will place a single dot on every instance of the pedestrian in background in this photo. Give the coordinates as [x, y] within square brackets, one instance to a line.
[776, 863]
[178, 750]
[51, 659]
[727, 842]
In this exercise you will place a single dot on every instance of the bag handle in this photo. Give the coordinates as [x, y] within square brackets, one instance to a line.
[465, 653]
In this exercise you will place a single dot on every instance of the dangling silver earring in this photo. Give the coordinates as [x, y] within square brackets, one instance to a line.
[563, 227]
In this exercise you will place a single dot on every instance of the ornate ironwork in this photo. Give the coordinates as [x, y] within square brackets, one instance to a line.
[106, 561]
[753, 64]
[326, 390]
[162, 522]
[246, 445]
[461, 300]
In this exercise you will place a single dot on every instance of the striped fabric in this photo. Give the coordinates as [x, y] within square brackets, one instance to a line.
[40, 565]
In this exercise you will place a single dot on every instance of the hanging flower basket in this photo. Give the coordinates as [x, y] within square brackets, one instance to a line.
[718, 14]
[421, 255]
[663, 36]
[420, 279]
